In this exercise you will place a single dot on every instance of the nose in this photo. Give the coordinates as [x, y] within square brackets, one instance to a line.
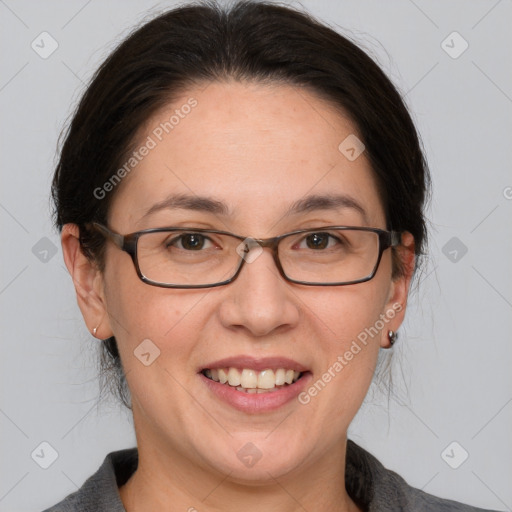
[260, 300]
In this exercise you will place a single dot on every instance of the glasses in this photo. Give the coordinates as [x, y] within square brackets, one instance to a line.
[204, 258]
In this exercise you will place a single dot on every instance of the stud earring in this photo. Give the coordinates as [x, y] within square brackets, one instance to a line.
[392, 336]
[94, 331]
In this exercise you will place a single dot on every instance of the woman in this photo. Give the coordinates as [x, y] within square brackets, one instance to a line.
[240, 196]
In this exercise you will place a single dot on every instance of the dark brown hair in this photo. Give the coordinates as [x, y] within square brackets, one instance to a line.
[248, 41]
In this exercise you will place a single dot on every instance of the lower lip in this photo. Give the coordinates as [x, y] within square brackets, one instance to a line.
[254, 403]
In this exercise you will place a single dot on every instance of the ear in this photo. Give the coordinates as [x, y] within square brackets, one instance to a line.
[88, 281]
[395, 307]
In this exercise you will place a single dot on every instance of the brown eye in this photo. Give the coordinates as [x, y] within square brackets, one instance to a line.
[320, 240]
[317, 241]
[189, 242]
[192, 241]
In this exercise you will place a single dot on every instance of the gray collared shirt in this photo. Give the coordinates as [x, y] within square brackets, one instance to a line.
[368, 482]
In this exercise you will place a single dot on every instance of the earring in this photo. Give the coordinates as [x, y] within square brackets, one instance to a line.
[392, 336]
[94, 331]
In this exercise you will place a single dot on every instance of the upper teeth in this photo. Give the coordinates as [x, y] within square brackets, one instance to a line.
[251, 379]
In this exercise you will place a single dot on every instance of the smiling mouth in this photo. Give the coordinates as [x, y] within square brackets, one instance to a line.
[251, 381]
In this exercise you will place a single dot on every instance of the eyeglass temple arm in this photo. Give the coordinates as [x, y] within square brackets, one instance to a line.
[115, 237]
[395, 238]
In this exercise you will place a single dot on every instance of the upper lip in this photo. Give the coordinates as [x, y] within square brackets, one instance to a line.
[255, 363]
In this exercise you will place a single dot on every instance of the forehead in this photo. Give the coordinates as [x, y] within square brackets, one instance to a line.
[258, 149]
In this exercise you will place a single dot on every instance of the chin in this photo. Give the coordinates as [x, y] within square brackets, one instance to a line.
[260, 474]
[256, 463]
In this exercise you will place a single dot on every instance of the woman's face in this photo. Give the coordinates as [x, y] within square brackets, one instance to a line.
[256, 150]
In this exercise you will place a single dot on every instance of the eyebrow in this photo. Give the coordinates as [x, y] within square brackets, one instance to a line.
[188, 202]
[305, 205]
[326, 202]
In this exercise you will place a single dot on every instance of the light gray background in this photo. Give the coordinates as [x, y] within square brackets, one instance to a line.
[452, 362]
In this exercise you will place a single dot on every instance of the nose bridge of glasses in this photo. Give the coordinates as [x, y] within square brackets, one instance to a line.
[251, 248]
[267, 242]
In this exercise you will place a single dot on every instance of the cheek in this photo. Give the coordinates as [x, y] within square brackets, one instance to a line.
[156, 331]
[167, 324]
[139, 311]
[350, 320]
[145, 312]
[348, 311]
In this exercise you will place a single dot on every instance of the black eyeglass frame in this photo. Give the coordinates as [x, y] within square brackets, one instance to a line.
[128, 244]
